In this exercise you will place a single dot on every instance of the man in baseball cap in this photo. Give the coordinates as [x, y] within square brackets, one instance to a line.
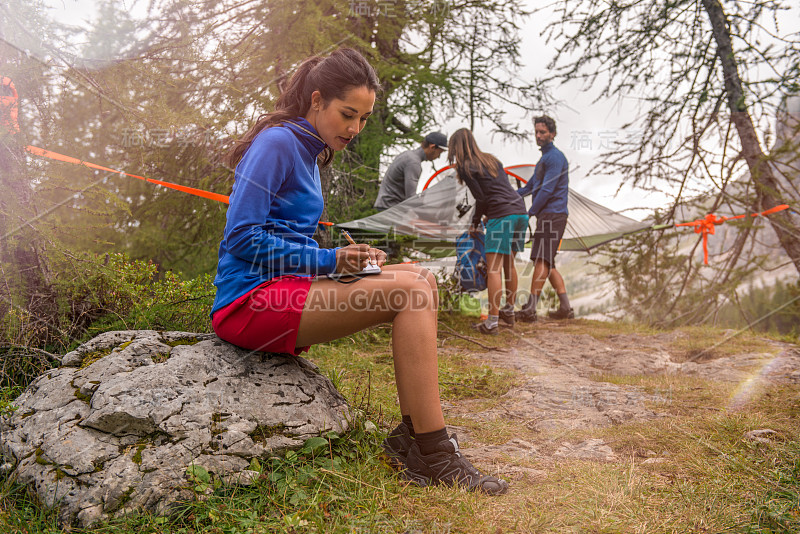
[400, 180]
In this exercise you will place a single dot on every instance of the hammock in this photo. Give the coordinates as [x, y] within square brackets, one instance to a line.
[435, 217]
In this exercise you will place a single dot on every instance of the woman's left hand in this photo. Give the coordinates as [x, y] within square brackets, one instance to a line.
[377, 257]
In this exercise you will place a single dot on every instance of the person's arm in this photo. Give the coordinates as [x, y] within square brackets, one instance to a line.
[553, 170]
[526, 189]
[250, 233]
[411, 173]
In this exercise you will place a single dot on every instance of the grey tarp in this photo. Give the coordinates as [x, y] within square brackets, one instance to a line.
[434, 220]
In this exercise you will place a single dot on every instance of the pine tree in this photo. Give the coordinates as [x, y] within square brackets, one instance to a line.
[707, 79]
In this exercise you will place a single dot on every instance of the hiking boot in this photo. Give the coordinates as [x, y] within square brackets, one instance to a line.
[507, 318]
[561, 313]
[527, 315]
[397, 444]
[448, 466]
[483, 329]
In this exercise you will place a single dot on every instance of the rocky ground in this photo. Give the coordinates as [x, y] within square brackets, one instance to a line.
[571, 383]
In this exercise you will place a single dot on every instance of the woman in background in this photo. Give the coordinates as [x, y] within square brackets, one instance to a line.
[506, 223]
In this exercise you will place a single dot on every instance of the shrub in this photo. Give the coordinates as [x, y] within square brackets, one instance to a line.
[111, 292]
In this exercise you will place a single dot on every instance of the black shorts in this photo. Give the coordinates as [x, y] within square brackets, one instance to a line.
[547, 237]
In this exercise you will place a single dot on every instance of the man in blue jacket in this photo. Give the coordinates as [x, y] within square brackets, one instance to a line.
[549, 186]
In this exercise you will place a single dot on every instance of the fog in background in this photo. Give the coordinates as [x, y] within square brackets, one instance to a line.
[585, 128]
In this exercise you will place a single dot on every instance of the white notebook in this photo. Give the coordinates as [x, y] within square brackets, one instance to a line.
[371, 268]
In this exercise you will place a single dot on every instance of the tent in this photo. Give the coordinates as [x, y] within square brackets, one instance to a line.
[435, 217]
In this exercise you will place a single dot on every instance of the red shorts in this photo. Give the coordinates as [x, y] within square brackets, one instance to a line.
[267, 317]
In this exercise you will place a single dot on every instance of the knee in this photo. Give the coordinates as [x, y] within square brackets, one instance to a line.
[433, 285]
[430, 278]
[423, 274]
[412, 291]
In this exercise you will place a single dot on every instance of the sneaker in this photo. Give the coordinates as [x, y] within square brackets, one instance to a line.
[483, 329]
[507, 318]
[561, 313]
[397, 444]
[448, 466]
[527, 316]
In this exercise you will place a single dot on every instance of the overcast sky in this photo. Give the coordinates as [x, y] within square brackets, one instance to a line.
[584, 128]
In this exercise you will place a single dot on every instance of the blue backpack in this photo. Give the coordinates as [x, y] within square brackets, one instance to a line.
[471, 262]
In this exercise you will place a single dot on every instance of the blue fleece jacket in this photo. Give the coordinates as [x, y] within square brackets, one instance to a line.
[549, 184]
[274, 210]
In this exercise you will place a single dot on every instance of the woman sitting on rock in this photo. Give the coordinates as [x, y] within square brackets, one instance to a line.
[272, 290]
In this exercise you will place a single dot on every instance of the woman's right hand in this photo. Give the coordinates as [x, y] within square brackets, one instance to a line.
[352, 258]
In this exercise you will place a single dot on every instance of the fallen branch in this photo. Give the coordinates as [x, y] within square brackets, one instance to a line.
[467, 338]
[4, 346]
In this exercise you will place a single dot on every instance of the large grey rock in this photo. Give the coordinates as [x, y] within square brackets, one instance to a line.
[116, 427]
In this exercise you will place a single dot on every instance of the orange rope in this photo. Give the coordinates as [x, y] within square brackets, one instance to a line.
[703, 226]
[707, 225]
[75, 161]
[36, 151]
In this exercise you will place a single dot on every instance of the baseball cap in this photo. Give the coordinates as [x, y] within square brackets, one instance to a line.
[437, 138]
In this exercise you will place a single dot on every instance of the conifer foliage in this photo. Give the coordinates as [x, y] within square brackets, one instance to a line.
[162, 92]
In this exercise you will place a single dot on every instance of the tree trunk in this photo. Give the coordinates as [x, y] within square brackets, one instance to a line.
[6, 161]
[23, 267]
[762, 173]
[323, 235]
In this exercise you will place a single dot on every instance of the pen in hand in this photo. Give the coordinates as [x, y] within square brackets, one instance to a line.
[353, 242]
[348, 237]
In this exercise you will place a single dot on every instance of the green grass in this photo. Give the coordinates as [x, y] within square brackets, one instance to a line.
[361, 367]
[676, 394]
[712, 479]
[701, 342]
[333, 484]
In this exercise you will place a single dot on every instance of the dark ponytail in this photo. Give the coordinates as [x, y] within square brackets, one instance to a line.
[332, 76]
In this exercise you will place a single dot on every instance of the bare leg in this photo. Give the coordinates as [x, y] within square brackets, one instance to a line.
[421, 271]
[404, 296]
[541, 270]
[494, 280]
[431, 278]
[510, 275]
[557, 281]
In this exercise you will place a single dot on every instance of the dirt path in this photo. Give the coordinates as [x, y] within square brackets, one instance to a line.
[572, 383]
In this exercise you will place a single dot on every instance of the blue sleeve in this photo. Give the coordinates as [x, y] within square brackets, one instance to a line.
[526, 189]
[252, 233]
[554, 169]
